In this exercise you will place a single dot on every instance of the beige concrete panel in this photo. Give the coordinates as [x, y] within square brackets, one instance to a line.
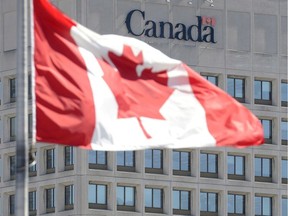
[123, 7]
[283, 65]
[266, 6]
[9, 5]
[217, 4]
[211, 57]
[186, 53]
[238, 31]
[10, 31]
[100, 16]
[236, 5]
[283, 7]
[265, 34]
[163, 47]
[238, 60]
[283, 35]
[265, 63]
[68, 7]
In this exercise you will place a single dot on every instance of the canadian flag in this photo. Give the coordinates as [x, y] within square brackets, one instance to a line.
[109, 92]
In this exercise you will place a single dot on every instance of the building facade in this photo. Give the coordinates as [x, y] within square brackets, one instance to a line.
[240, 46]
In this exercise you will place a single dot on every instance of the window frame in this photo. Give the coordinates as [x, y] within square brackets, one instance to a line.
[207, 173]
[284, 179]
[30, 126]
[284, 141]
[12, 90]
[29, 86]
[12, 204]
[152, 208]
[284, 103]
[126, 156]
[125, 206]
[180, 210]
[97, 205]
[261, 100]
[50, 160]
[234, 213]
[153, 154]
[69, 197]
[270, 138]
[33, 169]
[207, 211]
[32, 204]
[50, 200]
[68, 158]
[208, 78]
[234, 175]
[233, 94]
[12, 167]
[261, 205]
[284, 199]
[181, 171]
[262, 178]
[12, 128]
[97, 164]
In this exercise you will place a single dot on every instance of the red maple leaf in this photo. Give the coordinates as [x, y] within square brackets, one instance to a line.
[137, 95]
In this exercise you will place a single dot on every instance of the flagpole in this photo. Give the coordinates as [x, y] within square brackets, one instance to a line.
[21, 205]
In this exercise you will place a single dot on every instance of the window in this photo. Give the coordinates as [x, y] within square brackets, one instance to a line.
[33, 169]
[263, 206]
[12, 121]
[267, 127]
[154, 200]
[12, 85]
[208, 202]
[97, 196]
[126, 161]
[12, 204]
[50, 160]
[30, 125]
[69, 197]
[12, 162]
[126, 198]
[181, 163]
[284, 166]
[263, 169]
[209, 165]
[284, 131]
[69, 157]
[236, 88]
[50, 200]
[236, 204]
[97, 159]
[29, 86]
[181, 202]
[154, 161]
[236, 167]
[284, 93]
[212, 79]
[32, 203]
[263, 92]
[284, 206]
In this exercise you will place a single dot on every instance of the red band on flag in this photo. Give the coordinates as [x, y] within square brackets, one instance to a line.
[64, 102]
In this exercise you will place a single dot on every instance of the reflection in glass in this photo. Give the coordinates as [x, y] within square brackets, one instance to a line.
[284, 164]
[284, 91]
[284, 130]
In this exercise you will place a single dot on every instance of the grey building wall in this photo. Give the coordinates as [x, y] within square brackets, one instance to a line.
[251, 43]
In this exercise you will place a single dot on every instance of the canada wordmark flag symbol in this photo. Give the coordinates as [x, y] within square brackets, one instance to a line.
[109, 92]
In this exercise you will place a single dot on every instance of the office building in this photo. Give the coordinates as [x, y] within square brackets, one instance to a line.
[240, 46]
